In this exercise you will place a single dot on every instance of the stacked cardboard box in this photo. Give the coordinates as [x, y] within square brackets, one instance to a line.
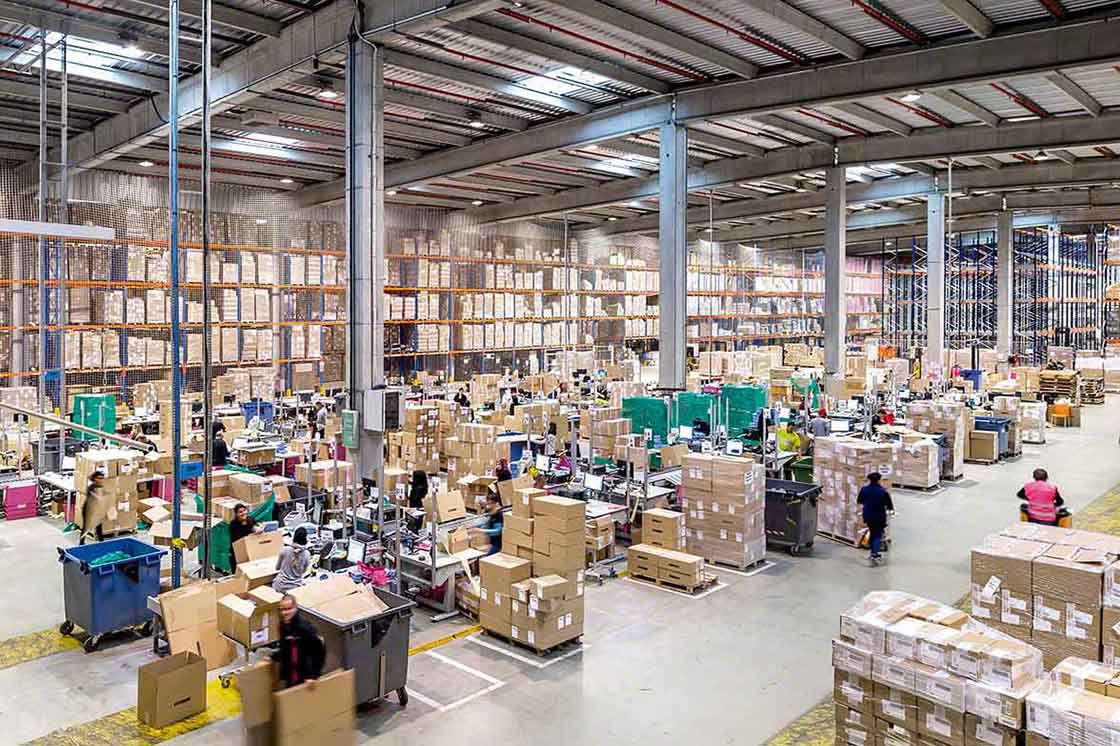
[606, 435]
[322, 474]
[599, 538]
[840, 467]
[415, 447]
[943, 417]
[1051, 586]
[558, 532]
[913, 671]
[663, 528]
[539, 610]
[916, 461]
[484, 389]
[1032, 421]
[724, 499]
[1075, 707]
[665, 566]
[473, 450]
[116, 508]
[1008, 407]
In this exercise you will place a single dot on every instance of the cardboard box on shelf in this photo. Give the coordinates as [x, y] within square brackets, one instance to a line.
[170, 689]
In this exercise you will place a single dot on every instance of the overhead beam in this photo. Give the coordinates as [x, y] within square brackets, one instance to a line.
[30, 90]
[867, 114]
[549, 51]
[922, 145]
[483, 80]
[232, 162]
[957, 101]
[107, 34]
[194, 174]
[934, 69]
[811, 133]
[966, 13]
[445, 108]
[633, 25]
[259, 69]
[806, 24]
[1063, 155]
[221, 15]
[703, 137]
[1076, 92]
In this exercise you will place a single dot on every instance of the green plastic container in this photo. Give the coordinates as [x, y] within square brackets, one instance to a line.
[691, 406]
[647, 412]
[739, 404]
[98, 411]
[802, 470]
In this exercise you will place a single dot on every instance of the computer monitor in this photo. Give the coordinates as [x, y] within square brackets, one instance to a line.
[735, 448]
[783, 413]
[542, 463]
[593, 482]
[686, 432]
[840, 426]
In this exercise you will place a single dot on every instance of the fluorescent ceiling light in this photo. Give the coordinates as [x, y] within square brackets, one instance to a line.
[147, 164]
[476, 202]
[329, 94]
[476, 123]
[262, 221]
[612, 218]
[911, 97]
[273, 139]
[562, 81]
[286, 180]
[391, 193]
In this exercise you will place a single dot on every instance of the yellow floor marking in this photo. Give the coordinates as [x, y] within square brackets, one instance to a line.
[34, 645]
[123, 729]
[817, 726]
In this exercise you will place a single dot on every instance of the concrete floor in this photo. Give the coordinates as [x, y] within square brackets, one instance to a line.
[734, 666]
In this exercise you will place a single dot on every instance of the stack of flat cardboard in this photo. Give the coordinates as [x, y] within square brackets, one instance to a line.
[724, 506]
[840, 467]
[943, 417]
[913, 671]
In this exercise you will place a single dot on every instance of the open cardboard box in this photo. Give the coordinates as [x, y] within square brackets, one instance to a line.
[258, 546]
[190, 616]
[322, 713]
[170, 689]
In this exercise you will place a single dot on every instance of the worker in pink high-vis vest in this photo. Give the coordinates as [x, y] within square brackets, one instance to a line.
[1042, 499]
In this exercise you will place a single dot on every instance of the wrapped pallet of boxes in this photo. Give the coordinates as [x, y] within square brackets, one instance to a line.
[727, 524]
[840, 467]
[1032, 422]
[916, 463]
[1002, 583]
[1067, 587]
[942, 417]
[1058, 713]
[912, 671]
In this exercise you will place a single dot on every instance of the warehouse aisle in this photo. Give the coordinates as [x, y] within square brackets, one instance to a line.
[657, 666]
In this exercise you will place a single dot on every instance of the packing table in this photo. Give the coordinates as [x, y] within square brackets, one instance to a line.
[432, 572]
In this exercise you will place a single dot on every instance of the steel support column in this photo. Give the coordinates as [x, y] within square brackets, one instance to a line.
[935, 281]
[1005, 276]
[673, 256]
[365, 216]
[835, 275]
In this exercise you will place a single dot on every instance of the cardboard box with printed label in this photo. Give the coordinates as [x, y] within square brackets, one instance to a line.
[171, 689]
[980, 732]
[896, 706]
[663, 528]
[250, 489]
[940, 723]
[854, 691]
[696, 473]
[252, 618]
[523, 498]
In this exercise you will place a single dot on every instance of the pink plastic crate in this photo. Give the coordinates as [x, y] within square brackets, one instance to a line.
[21, 501]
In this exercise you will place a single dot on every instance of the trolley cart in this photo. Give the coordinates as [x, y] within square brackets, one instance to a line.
[376, 648]
[109, 597]
[791, 515]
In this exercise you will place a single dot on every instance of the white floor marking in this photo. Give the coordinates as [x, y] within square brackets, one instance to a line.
[469, 697]
[525, 659]
[766, 565]
[464, 667]
[682, 594]
[426, 700]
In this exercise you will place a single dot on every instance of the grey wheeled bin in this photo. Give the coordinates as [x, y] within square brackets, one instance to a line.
[376, 648]
[791, 515]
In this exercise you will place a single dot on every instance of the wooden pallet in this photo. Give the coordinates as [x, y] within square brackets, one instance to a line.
[981, 461]
[953, 478]
[707, 580]
[574, 642]
[848, 542]
[916, 488]
[741, 566]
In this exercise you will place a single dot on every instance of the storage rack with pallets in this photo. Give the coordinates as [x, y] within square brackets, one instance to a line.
[1092, 390]
[1058, 291]
[1060, 384]
[970, 290]
[904, 285]
[115, 318]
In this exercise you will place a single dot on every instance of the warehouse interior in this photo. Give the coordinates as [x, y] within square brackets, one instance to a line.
[375, 372]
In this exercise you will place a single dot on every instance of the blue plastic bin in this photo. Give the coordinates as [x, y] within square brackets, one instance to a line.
[110, 597]
[257, 408]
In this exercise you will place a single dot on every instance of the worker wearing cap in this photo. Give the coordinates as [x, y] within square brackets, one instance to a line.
[819, 426]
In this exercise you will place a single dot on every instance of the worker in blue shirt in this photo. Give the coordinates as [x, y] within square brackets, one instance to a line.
[494, 523]
[876, 502]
